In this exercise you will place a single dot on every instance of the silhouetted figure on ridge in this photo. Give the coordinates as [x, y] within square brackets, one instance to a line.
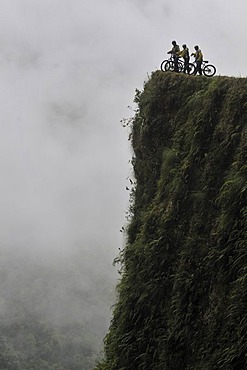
[185, 54]
[199, 58]
[174, 52]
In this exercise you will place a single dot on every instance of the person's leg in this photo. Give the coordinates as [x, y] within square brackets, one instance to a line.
[186, 65]
[196, 69]
[175, 57]
[200, 68]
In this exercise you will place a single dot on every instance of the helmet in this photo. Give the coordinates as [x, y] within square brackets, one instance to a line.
[174, 43]
[184, 46]
[196, 47]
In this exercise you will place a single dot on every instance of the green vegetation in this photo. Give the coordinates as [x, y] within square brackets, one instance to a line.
[182, 297]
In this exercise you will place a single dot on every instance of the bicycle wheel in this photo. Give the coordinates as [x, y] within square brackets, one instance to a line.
[169, 66]
[163, 65]
[191, 69]
[209, 70]
[180, 67]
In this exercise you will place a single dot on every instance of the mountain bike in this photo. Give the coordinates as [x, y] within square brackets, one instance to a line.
[169, 65]
[208, 70]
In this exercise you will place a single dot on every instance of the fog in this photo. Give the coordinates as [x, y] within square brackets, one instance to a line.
[68, 74]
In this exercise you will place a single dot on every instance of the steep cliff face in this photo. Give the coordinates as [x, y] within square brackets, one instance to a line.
[182, 298]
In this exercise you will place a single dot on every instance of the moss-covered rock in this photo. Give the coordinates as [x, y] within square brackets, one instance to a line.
[182, 298]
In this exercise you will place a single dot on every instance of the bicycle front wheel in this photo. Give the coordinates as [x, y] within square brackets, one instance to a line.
[164, 64]
[180, 67]
[169, 66]
[209, 70]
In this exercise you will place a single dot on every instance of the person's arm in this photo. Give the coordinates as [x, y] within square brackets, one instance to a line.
[181, 53]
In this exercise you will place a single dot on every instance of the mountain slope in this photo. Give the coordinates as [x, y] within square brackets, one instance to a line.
[182, 298]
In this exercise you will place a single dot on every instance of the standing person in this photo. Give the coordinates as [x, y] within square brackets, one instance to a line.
[185, 54]
[174, 52]
[198, 57]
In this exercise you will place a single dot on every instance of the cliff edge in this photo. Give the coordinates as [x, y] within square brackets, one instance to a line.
[182, 296]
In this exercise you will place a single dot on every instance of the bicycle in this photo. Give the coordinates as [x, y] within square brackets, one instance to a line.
[169, 65]
[208, 70]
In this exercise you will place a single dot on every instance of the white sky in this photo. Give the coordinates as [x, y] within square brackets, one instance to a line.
[68, 72]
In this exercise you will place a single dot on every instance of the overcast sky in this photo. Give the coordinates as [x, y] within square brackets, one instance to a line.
[68, 72]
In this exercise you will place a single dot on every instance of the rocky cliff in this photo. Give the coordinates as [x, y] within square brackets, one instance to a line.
[182, 296]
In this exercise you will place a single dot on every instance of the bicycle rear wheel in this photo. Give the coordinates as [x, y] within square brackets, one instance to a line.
[209, 70]
[191, 69]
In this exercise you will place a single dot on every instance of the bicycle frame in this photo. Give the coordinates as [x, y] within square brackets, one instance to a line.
[169, 65]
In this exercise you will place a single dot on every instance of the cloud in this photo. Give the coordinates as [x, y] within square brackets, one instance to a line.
[68, 71]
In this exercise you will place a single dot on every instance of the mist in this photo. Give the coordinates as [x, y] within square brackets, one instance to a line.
[68, 71]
